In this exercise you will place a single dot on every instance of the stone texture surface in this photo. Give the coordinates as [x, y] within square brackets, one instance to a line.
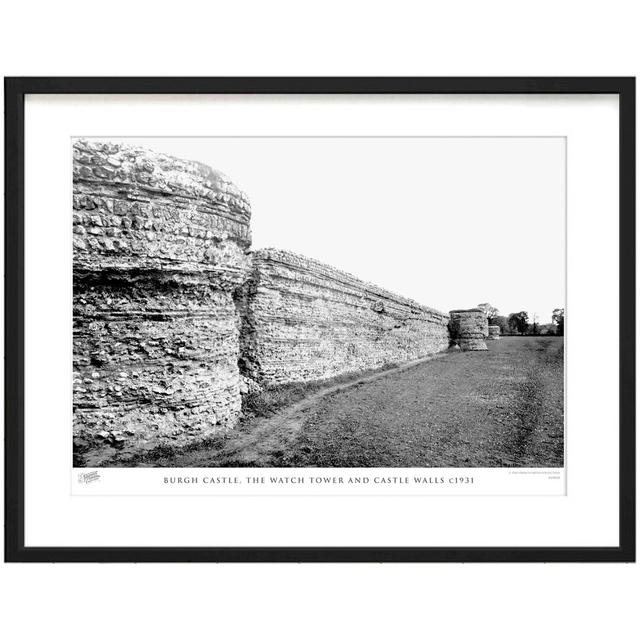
[174, 318]
[469, 329]
[494, 332]
[160, 249]
[304, 320]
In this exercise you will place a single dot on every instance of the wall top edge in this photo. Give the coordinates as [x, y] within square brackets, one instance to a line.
[300, 262]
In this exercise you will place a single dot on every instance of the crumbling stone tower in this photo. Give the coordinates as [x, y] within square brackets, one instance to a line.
[469, 328]
[494, 332]
[160, 247]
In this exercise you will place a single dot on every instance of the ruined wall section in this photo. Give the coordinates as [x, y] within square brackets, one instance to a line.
[469, 329]
[304, 320]
[494, 332]
[160, 248]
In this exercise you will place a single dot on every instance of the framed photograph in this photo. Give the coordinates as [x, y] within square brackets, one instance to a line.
[320, 319]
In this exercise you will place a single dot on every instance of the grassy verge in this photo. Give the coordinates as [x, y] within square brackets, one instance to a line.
[271, 400]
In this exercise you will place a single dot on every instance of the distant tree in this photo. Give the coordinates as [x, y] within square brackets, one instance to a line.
[489, 311]
[502, 322]
[518, 322]
[535, 327]
[558, 319]
[547, 330]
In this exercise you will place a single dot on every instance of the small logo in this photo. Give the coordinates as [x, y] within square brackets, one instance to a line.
[88, 477]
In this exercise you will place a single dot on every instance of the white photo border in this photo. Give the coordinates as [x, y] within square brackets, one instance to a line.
[589, 517]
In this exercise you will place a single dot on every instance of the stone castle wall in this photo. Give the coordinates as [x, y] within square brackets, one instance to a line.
[469, 329]
[304, 320]
[494, 332]
[160, 248]
[174, 317]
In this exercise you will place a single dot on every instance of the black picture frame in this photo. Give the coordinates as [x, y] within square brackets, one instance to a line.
[15, 91]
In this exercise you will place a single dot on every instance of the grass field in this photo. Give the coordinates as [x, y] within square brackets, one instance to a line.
[501, 408]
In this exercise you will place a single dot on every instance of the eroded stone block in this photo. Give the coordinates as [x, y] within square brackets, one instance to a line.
[160, 248]
[469, 329]
[494, 332]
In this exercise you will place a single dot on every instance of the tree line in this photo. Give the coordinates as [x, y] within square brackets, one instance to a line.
[519, 324]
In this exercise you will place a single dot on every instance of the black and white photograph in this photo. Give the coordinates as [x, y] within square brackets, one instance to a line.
[319, 302]
[320, 322]
[361, 312]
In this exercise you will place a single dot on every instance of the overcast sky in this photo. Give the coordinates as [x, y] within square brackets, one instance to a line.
[449, 222]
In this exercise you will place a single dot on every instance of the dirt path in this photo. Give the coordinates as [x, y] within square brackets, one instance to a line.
[263, 442]
[498, 408]
[503, 408]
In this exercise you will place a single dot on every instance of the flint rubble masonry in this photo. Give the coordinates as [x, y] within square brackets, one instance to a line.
[174, 317]
[304, 320]
[494, 332]
[160, 247]
[469, 328]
